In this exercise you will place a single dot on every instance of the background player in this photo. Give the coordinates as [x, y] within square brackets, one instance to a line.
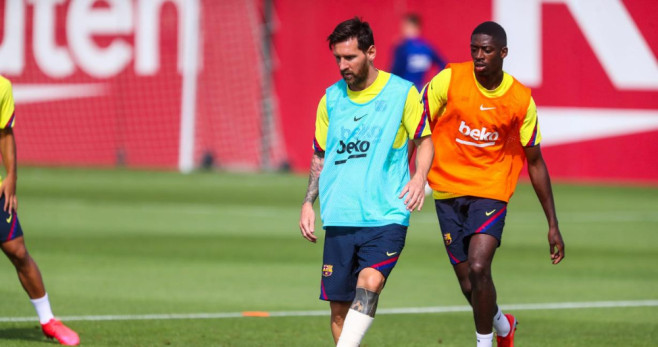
[414, 57]
[11, 234]
[484, 124]
[360, 171]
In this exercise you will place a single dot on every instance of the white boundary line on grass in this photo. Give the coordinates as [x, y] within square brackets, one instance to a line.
[407, 310]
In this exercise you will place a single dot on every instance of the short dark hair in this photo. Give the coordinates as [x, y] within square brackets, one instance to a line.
[494, 30]
[412, 18]
[352, 28]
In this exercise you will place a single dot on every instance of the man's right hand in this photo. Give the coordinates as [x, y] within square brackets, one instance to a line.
[556, 245]
[8, 191]
[307, 222]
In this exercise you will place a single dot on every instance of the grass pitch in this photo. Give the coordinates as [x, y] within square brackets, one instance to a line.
[133, 243]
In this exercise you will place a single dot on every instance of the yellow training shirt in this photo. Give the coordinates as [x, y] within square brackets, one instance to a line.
[413, 124]
[7, 119]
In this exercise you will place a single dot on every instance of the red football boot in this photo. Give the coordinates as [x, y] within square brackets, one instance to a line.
[508, 341]
[60, 332]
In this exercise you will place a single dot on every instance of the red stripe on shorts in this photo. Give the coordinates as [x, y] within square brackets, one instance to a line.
[13, 228]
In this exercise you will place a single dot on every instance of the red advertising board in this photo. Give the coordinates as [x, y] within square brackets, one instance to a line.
[103, 82]
[592, 65]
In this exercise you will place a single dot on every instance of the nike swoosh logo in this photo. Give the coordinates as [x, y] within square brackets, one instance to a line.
[9, 218]
[482, 108]
[490, 212]
[391, 254]
[358, 119]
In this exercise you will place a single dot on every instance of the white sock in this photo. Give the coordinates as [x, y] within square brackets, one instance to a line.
[355, 326]
[484, 340]
[501, 324]
[42, 306]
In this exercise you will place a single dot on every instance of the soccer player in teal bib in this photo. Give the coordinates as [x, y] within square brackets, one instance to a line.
[360, 170]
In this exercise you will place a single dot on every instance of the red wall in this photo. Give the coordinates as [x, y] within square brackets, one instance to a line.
[306, 66]
[572, 76]
[132, 117]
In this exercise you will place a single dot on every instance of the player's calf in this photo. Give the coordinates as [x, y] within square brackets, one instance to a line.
[359, 317]
[365, 302]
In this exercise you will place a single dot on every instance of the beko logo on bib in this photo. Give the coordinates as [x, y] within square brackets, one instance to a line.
[481, 134]
[353, 146]
[360, 149]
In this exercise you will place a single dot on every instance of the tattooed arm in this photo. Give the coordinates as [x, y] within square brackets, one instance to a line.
[307, 218]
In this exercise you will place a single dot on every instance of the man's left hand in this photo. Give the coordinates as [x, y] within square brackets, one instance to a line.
[415, 193]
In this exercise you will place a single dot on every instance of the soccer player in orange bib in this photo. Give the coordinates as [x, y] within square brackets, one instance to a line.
[484, 125]
[11, 234]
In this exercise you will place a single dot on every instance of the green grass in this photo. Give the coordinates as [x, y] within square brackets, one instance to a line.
[117, 242]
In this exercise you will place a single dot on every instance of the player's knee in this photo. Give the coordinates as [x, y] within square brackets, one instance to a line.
[479, 270]
[339, 311]
[374, 283]
[18, 255]
[371, 280]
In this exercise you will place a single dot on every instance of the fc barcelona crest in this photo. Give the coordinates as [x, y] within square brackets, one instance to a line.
[447, 239]
[327, 270]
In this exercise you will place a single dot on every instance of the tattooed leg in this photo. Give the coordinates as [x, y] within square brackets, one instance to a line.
[365, 302]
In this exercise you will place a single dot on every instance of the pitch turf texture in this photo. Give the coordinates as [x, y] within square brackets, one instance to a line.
[132, 243]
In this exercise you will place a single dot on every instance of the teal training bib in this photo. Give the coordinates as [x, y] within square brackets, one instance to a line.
[363, 174]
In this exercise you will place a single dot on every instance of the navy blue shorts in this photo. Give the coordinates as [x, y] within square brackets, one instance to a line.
[10, 228]
[460, 218]
[348, 250]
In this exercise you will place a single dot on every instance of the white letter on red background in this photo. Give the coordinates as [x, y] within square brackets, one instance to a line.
[52, 60]
[607, 26]
[12, 50]
[84, 22]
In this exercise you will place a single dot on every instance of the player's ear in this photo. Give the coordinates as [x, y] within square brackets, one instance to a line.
[503, 52]
[371, 52]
